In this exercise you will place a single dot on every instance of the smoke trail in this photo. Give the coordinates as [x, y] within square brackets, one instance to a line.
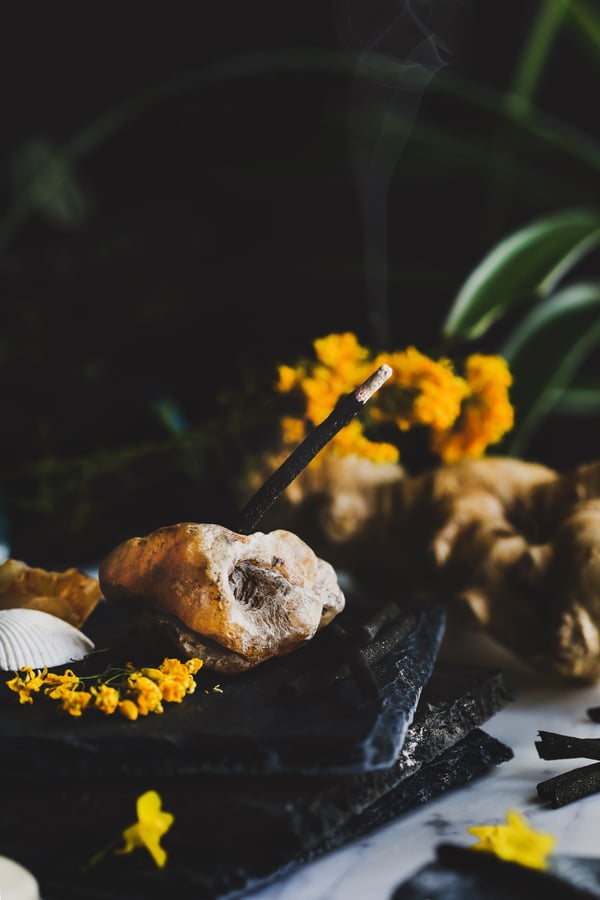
[401, 45]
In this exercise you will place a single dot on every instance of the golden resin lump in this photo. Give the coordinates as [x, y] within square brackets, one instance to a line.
[510, 546]
[252, 596]
[71, 595]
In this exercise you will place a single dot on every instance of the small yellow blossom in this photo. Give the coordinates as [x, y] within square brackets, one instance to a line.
[486, 414]
[106, 698]
[74, 702]
[130, 691]
[515, 841]
[128, 709]
[57, 686]
[421, 391]
[176, 679]
[146, 694]
[194, 664]
[27, 682]
[287, 379]
[341, 352]
[172, 691]
[147, 832]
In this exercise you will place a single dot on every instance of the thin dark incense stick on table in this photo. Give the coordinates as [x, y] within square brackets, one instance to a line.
[341, 415]
[570, 786]
[564, 746]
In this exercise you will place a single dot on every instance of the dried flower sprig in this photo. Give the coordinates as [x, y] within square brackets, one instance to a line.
[464, 412]
[130, 691]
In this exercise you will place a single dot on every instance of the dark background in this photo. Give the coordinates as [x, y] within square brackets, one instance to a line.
[217, 230]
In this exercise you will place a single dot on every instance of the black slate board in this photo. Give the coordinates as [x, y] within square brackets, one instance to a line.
[459, 873]
[257, 725]
[237, 832]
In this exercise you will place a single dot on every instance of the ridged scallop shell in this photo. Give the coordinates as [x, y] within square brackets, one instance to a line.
[30, 637]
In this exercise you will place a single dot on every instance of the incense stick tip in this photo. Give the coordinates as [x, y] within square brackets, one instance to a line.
[373, 383]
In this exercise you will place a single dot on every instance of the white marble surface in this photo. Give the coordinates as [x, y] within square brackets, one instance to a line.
[374, 865]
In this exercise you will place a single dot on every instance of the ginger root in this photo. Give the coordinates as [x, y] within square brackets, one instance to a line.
[513, 547]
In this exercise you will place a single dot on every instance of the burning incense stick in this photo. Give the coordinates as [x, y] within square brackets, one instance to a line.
[343, 412]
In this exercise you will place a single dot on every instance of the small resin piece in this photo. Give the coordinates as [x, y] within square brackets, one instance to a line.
[71, 595]
[510, 545]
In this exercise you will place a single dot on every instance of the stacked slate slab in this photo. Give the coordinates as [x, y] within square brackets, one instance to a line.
[292, 760]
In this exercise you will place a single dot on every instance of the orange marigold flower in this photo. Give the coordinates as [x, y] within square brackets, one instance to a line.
[486, 413]
[340, 352]
[287, 379]
[420, 391]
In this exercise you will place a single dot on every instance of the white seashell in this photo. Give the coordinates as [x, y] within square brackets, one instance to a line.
[30, 637]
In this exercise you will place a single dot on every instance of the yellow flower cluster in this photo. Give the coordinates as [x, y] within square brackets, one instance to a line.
[131, 692]
[464, 413]
[486, 413]
[515, 841]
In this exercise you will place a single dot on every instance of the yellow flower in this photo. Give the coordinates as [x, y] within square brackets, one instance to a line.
[26, 682]
[420, 391]
[57, 686]
[145, 693]
[351, 441]
[194, 664]
[74, 702]
[287, 379]
[152, 824]
[341, 352]
[463, 414]
[341, 365]
[174, 678]
[106, 698]
[128, 709]
[486, 414]
[515, 841]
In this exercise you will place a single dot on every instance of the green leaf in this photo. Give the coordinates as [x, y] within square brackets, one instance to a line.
[585, 17]
[49, 184]
[524, 266]
[545, 352]
[580, 399]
